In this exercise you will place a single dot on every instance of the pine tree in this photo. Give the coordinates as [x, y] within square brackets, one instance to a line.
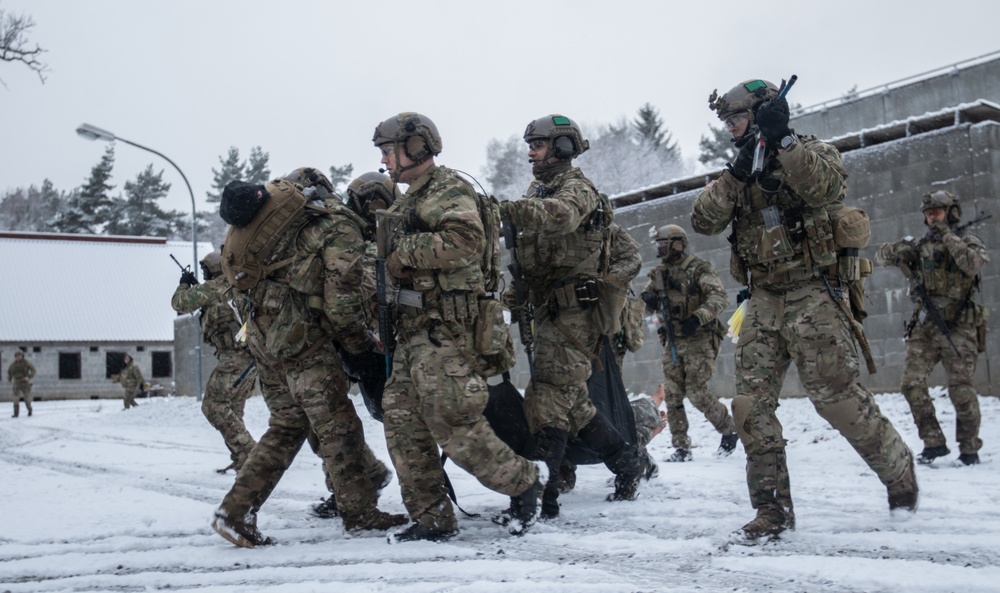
[139, 213]
[507, 172]
[88, 209]
[30, 209]
[649, 130]
[231, 170]
[341, 176]
[718, 148]
[255, 169]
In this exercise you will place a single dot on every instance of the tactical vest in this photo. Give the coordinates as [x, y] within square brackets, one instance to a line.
[219, 325]
[561, 259]
[680, 282]
[942, 276]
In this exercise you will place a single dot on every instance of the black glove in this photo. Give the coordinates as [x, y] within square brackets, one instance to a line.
[741, 167]
[652, 300]
[689, 326]
[772, 119]
[661, 332]
[742, 295]
[187, 277]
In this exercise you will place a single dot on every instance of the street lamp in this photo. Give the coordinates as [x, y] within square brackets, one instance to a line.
[90, 132]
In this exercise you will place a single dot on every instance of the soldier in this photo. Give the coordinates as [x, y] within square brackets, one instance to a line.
[946, 265]
[20, 373]
[564, 225]
[299, 260]
[784, 250]
[131, 380]
[694, 292]
[436, 395]
[650, 421]
[223, 403]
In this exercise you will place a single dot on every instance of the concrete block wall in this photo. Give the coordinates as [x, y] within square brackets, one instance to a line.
[185, 330]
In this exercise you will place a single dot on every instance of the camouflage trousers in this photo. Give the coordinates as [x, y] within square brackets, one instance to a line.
[130, 393]
[433, 398]
[564, 350]
[22, 389]
[373, 467]
[925, 348]
[308, 393]
[223, 404]
[647, 418]
[689, 376]
[805, 325]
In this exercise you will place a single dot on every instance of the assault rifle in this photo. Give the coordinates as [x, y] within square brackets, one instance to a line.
[760, 151]
[184, 270]
[666, 315]
[525, 311]
[958, 228]
[387, 225]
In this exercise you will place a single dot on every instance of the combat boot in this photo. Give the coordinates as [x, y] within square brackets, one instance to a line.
[566, 480]
[222, 470]
[417, 532]
[326, 509]
[764, 525]
[374, 520]
[969, 458]
[929, 454]
[679, 456]
[728, 445]
[243, 533]
[650, 470]
[502, 518]
[903, 492]
[524, 508]
[626, 486]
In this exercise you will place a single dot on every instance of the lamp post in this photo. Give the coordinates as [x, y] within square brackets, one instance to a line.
[90, 132]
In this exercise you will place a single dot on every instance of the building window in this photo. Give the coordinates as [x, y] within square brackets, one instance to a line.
[93, 348]
[114, 362]
[36, 349]
[69, 365]
[162, 365]
[140, 348]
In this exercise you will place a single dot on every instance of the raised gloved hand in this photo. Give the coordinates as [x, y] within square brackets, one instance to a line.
[772, 119]
[652, 300]
[187, 277]
[741, 167]
[689, 326]
[940, 228]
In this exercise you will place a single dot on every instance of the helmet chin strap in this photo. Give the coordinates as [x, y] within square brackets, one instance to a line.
[400, 148]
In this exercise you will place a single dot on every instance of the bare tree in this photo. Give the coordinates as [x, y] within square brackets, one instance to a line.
[15, 46]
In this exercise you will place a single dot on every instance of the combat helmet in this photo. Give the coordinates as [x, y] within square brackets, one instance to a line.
[567, 139]
[746, 96]
[669, 233]
[416, 133]
[314, 183]
[947, 201]
[211, 265]
[370, 192]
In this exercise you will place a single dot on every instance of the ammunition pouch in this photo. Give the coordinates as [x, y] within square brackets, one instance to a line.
[458, 306]
[633, 317]
[490, 334]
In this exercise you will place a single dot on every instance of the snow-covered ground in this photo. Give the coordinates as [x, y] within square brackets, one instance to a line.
[95, 498]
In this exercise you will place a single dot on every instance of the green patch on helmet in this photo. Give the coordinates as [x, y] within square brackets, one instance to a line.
[560, 120]
[754, 85]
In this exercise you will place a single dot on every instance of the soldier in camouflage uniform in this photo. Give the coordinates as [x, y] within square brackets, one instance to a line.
[783, 249]
[563, 223]
[696, 297]
[19, 374]
[435, 395]
[947, 264]
[649, 422]
[223, 404]
[131, 380]
[302, 304]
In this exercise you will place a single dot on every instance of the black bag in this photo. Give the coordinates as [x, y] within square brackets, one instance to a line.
[368, 371]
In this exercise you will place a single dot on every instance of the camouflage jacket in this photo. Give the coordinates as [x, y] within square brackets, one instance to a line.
[218, 320]
[782, 230]
[130, 377]
[561, 226]
[318, 295]
[21, 371]
[624, 261]
[445, 244]
[948, 266]
[693, 288]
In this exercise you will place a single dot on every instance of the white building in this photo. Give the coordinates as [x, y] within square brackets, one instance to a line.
[75, 304]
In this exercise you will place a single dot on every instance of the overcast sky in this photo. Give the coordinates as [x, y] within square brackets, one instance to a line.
[308, 81]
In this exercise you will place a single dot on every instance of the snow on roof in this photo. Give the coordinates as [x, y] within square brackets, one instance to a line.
[61, 287]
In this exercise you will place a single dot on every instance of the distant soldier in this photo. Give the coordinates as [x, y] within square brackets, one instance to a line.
[695, 296]
[785, 251]
[299, 260]
[223, 404]
[564, 245]
[131, 380]
[946, 265]
[436, 393]
[20, 373]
